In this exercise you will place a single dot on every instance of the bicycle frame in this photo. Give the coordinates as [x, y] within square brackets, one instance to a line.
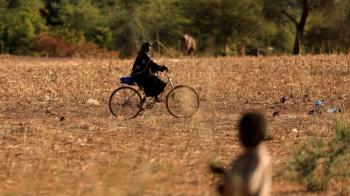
[171, 84]
[148, 99]
[169, 80]
[170, 93]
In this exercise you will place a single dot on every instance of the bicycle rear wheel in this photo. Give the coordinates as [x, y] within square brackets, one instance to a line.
[182, 102]
[125, 102]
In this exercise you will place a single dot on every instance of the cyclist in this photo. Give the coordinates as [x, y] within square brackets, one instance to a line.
[143, 72]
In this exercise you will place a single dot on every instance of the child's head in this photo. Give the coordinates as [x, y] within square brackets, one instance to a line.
[252, 129]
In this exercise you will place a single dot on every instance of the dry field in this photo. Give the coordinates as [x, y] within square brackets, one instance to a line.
[52, 142]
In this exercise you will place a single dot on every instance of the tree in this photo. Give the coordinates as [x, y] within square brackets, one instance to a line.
[77, 21]
[230, 22]
[21, 22]
[56, 12]
[161, 22]
[331, 31]
[126, 30]
[296, 11]
[220, 26]
[3, 8]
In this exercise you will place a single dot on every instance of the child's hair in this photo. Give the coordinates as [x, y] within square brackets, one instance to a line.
[252, 129]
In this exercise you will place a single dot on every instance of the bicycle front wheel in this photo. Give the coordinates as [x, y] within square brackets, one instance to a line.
[125, 102]
[182, 102]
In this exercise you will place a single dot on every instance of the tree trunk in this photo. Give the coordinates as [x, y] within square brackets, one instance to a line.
[297, 41]
[227, 50]
[241, 50]
[299, 33]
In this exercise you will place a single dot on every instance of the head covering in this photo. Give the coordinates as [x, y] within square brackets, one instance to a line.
[145, 47]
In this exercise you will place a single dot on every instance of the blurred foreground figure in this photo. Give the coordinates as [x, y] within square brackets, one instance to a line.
[189, 45]
[250, 173]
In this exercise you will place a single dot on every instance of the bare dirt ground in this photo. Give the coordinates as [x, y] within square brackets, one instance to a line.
[52, 142]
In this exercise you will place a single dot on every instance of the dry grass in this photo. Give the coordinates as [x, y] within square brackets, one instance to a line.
[91, 153]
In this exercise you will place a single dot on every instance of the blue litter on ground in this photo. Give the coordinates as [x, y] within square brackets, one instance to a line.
[318, 103]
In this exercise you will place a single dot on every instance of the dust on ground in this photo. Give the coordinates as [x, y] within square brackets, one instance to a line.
[53, 142]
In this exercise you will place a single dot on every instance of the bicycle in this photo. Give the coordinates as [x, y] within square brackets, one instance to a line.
[181, 101]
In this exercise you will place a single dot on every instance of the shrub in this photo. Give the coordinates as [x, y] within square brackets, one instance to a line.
[319, 162]
[90, 49]
[50, 45]
[20, 23]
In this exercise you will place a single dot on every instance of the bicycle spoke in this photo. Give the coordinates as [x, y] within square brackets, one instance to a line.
[182, 102]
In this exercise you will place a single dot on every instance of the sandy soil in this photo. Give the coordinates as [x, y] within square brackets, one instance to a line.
[52, 142]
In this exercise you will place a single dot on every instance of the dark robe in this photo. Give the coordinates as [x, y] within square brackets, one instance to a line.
[143, 73]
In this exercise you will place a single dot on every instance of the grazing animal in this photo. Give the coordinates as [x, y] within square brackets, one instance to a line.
[189, 45]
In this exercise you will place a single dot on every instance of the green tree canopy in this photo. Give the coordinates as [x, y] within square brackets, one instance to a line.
[21, 23]
[229, 22]
[297, 12]
[219, 26]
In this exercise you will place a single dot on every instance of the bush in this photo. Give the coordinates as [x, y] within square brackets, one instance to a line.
[54, 46]
[319, 162]
[20, 23]
[50, 45]
[90, 49]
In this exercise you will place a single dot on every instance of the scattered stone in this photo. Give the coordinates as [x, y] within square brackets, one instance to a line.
[284, 99]
[152, 161]
[306, 98]
[192, 162]
[89, 140]
[93, 102]
[334, 110]
[294, 130]
[277, 113]
[47, 98]
[314, 112]
[62, 118]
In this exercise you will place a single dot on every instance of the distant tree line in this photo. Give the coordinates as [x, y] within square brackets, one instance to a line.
[221, 27]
